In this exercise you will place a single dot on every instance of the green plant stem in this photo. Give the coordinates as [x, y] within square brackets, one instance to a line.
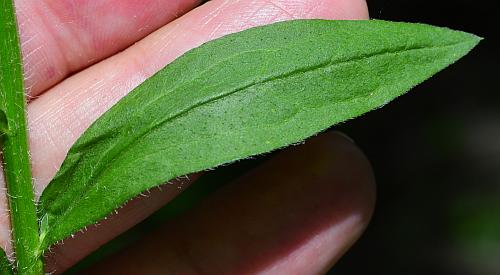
[17, 167]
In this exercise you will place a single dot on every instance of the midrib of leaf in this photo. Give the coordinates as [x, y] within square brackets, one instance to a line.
[284, 76]
[117, 148]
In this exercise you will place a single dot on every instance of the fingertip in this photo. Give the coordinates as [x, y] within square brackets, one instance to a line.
[355, 180]
[338, 203]
[357, 166]
[348, 182]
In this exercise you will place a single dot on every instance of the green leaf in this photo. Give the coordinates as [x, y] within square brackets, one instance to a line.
[241, 95]
[5, 266]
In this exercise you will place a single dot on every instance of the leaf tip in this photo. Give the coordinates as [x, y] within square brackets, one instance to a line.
[461, 43]
[474, 39]
[470, 40]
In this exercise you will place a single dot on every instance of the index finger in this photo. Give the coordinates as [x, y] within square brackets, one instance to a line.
[61, 37]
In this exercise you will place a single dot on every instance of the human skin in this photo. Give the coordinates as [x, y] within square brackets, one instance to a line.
[297, 214]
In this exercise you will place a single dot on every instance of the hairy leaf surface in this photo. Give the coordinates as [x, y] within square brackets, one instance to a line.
[241, 95]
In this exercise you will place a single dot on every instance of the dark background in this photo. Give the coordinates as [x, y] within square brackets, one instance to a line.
[436, 156]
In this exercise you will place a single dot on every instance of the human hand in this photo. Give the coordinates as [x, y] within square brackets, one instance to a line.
[296, 214]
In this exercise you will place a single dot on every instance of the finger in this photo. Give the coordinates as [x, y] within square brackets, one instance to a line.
[60, 116]
[297, 214]
[61, 37]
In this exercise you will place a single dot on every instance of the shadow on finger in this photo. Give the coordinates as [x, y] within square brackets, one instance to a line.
[295, 214]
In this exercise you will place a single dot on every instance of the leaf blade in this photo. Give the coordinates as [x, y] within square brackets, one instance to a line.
[238, 96]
